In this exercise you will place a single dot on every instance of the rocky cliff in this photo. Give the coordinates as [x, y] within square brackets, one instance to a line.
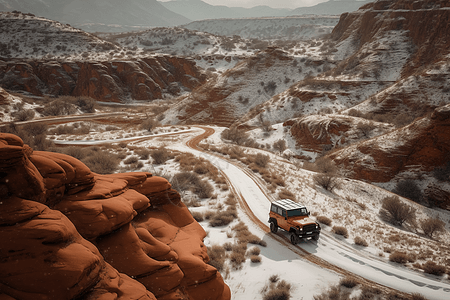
[111, 81]
[69, 233]
[420, 146]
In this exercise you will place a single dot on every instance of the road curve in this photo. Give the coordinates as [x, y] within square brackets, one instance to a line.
[243, 194]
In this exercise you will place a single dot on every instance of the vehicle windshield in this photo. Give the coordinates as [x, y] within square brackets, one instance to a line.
[297, 212]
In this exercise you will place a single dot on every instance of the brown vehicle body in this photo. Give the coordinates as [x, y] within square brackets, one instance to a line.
[293, 218]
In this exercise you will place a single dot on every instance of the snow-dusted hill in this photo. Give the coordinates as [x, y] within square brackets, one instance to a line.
[100, 15]
[270, 28]
[331, 7]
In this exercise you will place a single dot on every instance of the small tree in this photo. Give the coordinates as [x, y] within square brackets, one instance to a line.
[431, 226]
[396, 212]
[408, 188]
[280, 145]
[149, 124]
[328, 182]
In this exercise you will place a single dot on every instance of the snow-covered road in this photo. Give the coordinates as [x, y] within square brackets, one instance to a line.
[329, 248]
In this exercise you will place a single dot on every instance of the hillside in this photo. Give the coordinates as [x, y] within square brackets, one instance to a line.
[200, 10]
[331, 7]
[269, 28]
[100, 15]
[44, 57]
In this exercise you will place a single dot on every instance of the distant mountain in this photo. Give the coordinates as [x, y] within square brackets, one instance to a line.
[100, 15]
[331, 7]
[199, 10]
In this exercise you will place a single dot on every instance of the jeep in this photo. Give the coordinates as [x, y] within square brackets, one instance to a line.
[294, 218]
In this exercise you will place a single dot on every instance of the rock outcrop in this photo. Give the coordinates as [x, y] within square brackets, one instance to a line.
[69, 233]
[422, 145]
[111, 81]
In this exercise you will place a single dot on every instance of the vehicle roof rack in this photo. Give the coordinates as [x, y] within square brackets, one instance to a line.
[288, 204]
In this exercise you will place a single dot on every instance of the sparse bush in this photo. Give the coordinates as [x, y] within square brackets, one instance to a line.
[431, 267]
[262, 160]
[270, 87]
[279, 291]
[203, 189]
[279, 146]
[254, 251]
[86, 104]
[237, 258]
[286, 194]
[131, 160]
[340, 230]
[348, 282]
[396, 212]
[431, 226]
[255, 259]
[324, 220]
[409, 189]
[222, 218]
[160, 155]
[74, 151]
[398, 257]
[217, 256]
[274, 278]
[149, 124]
[102, 162]
[325, 165]
[59, 107]
[143, 153]
[361, 242]
[235, 135]
[442, 173]
[198, 216]
[24, 115]
[328, 182]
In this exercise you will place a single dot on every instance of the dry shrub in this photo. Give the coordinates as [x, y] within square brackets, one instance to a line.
[361, 242]
[198, 216]
[59, 107]
[431, 267]
[143, 153]
[86, 104]
[203, 189]
[217, 256]
[396, 212]
[417, 296]
[255, 259]
[24, 115]
[201, 168]
[286, 194]
[235, 135]
[101, 162]
[261, 160]
[131, 160]
[349, 282]
[328, 182]
[325, 165]
[398, 257]
[160, 155]
[408, 188]
[222, 218]
[277, 291]
[431, 226]
[340, 230]
[77, 152]
[324, 220]
[149, 124]
[254, 251]
[228, 246]
[34, 134]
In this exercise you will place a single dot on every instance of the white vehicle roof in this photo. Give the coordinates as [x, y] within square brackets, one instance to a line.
[288, 204]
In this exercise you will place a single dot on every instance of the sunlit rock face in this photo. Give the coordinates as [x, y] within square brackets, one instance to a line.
[67, 232]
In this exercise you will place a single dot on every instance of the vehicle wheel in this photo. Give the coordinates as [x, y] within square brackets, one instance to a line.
[273, 227]
[294, 238]
[315, 237]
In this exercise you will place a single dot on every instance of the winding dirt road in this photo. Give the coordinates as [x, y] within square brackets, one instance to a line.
[299, 249]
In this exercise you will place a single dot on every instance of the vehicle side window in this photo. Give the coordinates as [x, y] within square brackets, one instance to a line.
[280, 211]
[284, 213]
[273, 208]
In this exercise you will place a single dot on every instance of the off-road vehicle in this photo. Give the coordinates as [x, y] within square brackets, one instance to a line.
[294, 218]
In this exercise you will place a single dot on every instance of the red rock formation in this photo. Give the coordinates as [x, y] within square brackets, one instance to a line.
[116, 81]
[138, 224]
[424, 144]
[317, 132]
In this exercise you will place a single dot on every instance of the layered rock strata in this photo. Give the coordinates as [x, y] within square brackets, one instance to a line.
[69, 233]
